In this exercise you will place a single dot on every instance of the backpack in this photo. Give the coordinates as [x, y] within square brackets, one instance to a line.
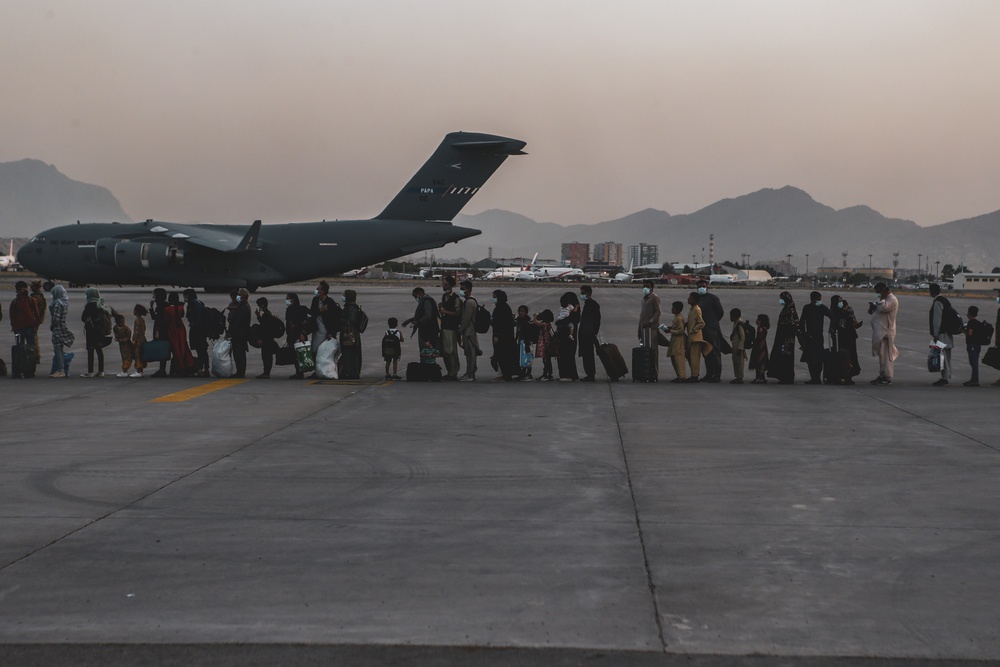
[530, 333]
[749, 335]
[390, 346]
[363, 324]
[951, 321]
[482, 319]
[273, 327]
[214, 322]
[985, 336]
[102, 323]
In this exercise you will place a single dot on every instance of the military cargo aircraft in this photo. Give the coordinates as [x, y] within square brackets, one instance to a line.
[222, 257]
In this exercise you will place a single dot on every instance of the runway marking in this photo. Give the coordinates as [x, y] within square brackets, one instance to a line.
[196, 392]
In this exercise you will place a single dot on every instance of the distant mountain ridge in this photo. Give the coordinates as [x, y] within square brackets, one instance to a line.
[767, 224]
[35, 196]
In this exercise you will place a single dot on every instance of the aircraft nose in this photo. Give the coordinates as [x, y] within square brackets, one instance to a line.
[26, 255]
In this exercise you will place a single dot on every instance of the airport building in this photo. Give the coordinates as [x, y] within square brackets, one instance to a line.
[609, 252]
[575, 254]
[972, 282]
[644, 253]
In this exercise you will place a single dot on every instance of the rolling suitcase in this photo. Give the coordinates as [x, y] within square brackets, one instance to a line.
[614, 362]
[644, 364]
[836, 363]
[22, 359]
[420, 372]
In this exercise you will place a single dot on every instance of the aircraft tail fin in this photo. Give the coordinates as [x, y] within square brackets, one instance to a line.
[454, 173]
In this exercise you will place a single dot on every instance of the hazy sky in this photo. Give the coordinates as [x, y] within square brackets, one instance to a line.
[228, 111]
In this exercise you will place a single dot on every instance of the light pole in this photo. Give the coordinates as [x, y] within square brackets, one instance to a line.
[920, 261]
[788, 261]
[895, 264]
[807, 264]
[869, 267]
[937, 268]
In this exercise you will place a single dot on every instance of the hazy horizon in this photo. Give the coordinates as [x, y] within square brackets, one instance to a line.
[227, 112]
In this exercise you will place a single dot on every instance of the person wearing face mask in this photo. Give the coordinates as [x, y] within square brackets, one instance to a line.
[649, 320]
[781, 364]
[450, 309]
[812, 331]
[326, 316]
[844, 335]
[712, 312]
[197, 336]
[590, 326]
[296, 326]
[883, 312]
[424, 320]
[239, 331]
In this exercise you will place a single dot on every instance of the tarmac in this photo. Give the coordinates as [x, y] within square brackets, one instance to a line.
[392, 523]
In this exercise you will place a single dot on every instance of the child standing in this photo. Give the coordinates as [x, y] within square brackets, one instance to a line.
[678, 341]
[527, 333]
[392, 347]
[758, 355]
[138, 338]
[123, 335]
[738, 340]
[544, 348]
[973, 343]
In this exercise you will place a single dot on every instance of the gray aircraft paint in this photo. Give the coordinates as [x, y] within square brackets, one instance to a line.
[228, 256]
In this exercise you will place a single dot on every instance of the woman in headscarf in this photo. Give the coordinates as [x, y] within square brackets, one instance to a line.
[351, 325]
[62, 337]
[504, 344]
[781, 365]
[844, 325]
[567, 324]
[96, 319]
[181, 360]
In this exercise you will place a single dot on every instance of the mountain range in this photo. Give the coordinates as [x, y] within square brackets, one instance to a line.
[767, 225]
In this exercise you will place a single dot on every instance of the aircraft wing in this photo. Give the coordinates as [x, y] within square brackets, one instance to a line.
[216, 237]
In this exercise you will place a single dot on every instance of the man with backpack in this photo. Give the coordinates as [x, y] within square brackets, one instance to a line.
[942, 320]
[450, 310]
[712, 312]
[197, 332]
[468, 338]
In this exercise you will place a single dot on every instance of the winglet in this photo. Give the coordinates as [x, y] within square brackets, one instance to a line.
[250, 240]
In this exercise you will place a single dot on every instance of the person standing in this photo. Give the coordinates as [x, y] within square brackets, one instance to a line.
[678, 341]
[884, 311]
[239, 331]
[62, 337]
[567, 324]
[96, 320]
[271, 328]
[712, 312]
[197, 333]
[24, 317]
[812, 331]
[758, 355]
[844, 329]
[351, 327]
[156, 308]
[450, 309]
[649, 319]
[940, 333]
[996, 329]
[973, 343]
[590, 327]
[504, 344]
[424, 320]
[297, 321]
[38, 296]
[737, 338]
[326, 316]
[781, 365]
[182, 363]
[698, 347]
[468, 338]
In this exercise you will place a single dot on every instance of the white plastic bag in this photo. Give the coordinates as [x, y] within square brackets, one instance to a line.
[327, 355]
[222, 359]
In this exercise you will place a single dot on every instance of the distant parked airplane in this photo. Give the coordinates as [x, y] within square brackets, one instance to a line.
[222, 257]
[625, 277]
[510, 272]
[8, 261]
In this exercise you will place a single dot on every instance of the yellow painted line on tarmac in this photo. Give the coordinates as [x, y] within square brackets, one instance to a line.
[196, 392]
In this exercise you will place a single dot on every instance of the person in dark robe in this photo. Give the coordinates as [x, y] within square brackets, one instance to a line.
[296, 326]
[567, 326]
[758, 355]
[812, 331]
[844, 329]
[504, 344]
[350, 337]
[781, 364]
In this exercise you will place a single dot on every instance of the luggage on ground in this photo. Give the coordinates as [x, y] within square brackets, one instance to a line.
[419, 372]
[22, 358]
[644, 364]
[285, 356]
[156, 350]
[222, 359]
[304, 354]
[325, 363]
[992, 357]
[614, 362]
[934, 360]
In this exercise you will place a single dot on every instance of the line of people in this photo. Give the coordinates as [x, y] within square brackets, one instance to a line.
[451, 327]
